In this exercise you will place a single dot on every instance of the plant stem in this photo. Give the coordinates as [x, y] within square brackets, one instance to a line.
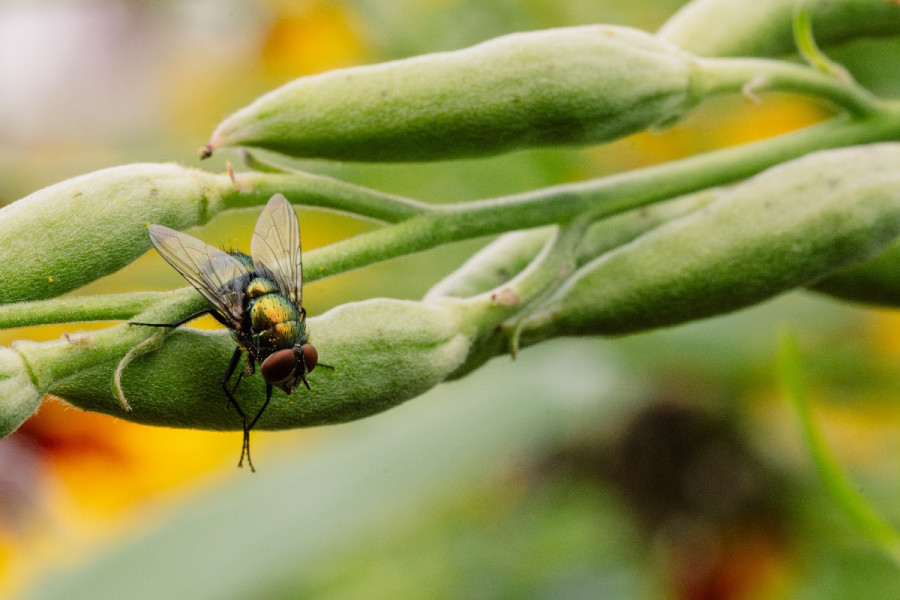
[106, 307]
[842, 491]
[325, 192]
[608, 196]
[759, 74]
[809, 49]
[417, 226]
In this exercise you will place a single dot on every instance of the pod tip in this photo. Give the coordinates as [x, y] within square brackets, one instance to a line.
[206, 151]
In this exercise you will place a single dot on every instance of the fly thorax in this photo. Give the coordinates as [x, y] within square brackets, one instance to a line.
[279, 336]
[260, 286]
[270, 310]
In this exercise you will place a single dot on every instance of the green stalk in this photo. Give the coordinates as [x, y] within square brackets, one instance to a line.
[807, 46]
[839, 487]
[103, 307]
[416, 226]
[323, 192]
[609, 195]
[752, 75]
[741, 249]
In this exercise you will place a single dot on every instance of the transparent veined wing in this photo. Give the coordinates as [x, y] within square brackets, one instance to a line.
[275, 247]
[219, 276]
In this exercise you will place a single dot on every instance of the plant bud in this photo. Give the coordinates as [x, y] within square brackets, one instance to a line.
[73, 232]
[764, 27]
[577, 85]
[787, 227]
[384, 352]
[493, 265]
[499, 261]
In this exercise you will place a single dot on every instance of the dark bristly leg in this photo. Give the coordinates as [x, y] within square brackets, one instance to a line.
[240, 377]
[232, 366]
[208, 311]
[238, 382]
[247, 429]
[245, 451]
[263, 407]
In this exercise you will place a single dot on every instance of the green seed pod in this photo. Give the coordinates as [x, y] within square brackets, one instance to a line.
[575, 85]
[493, 265]
[499, 261]
[764, 27]
[787, 227]
[76, 231]
[384, 352]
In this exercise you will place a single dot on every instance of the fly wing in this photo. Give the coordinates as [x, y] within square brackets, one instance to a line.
[275, 247]
[217, 275]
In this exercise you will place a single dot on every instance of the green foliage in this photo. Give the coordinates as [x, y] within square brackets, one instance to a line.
[839, 487]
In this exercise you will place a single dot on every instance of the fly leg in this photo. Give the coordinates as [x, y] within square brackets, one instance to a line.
[229, 371]
[263, 407]
[207, 311]
[235, 386]
[232, 366]
[252, 423]
[321, 366]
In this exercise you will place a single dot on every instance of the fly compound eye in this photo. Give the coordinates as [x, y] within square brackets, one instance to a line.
[279, 366]
[310, 357]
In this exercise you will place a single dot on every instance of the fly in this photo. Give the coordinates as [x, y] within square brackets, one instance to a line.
[259, 298]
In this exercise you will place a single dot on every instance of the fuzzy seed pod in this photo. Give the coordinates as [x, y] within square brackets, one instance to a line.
[509, 254]
[384, 352]
[577, 85]
[75, 231]
[788, 227]
[763, 27]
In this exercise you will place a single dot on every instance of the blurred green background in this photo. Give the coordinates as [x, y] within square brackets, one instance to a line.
[663, 465]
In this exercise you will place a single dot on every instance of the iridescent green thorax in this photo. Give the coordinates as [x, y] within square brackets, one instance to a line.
[274, 320]
[281, 335]
[260, 286]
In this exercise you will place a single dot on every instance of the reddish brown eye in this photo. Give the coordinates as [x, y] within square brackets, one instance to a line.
[279, 366]
[310, 357]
